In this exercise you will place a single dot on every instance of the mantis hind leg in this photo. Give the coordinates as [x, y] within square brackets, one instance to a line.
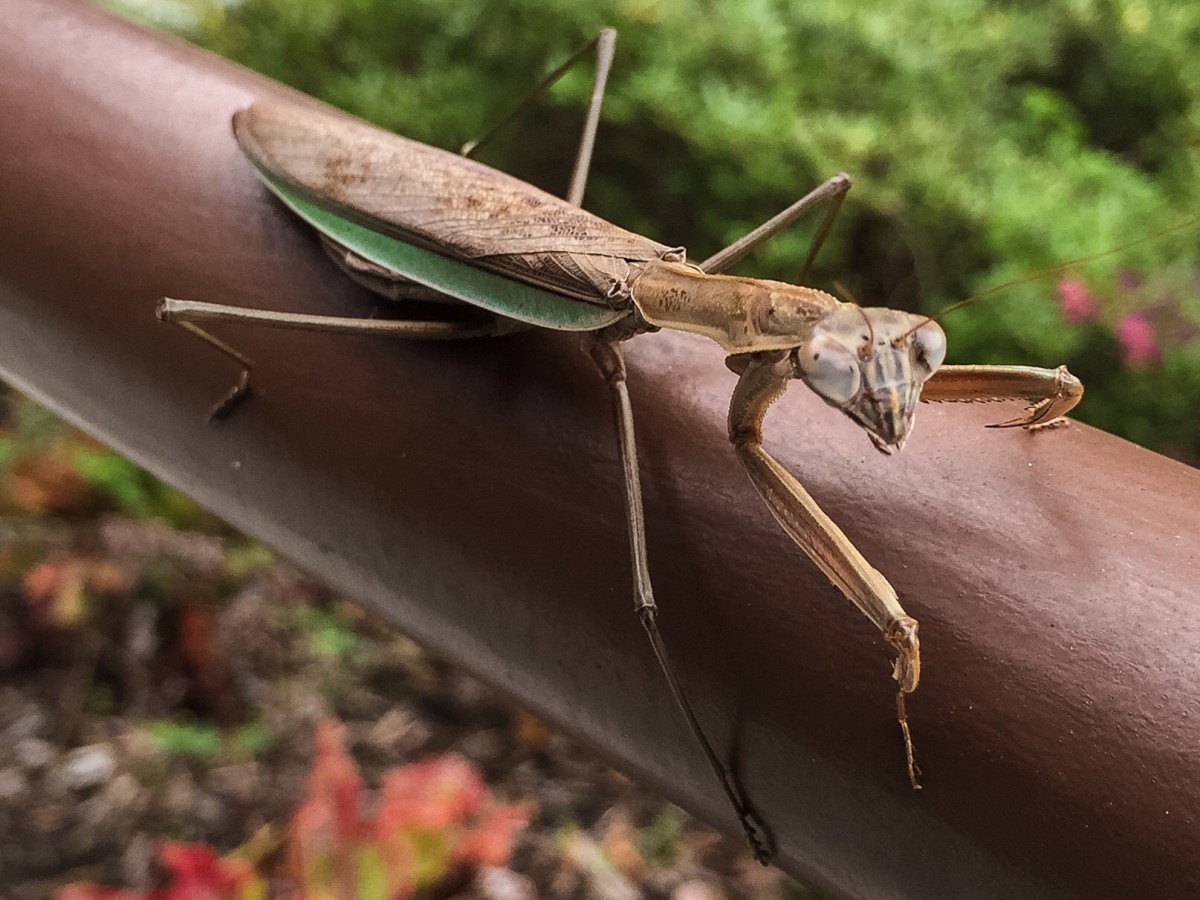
[447, 318]
[604, 43]
[608, 359]
[471, 323]
[395, 287]
[834, 191]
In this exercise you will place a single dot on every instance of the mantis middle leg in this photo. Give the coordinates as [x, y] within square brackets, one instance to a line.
[606, 354]
[608, 359]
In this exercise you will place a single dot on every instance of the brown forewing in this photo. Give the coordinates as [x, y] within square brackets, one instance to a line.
[442, 201]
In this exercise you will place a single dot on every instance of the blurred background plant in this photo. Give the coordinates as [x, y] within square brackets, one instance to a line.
[987, 141]
[433, 831]
[160, 680]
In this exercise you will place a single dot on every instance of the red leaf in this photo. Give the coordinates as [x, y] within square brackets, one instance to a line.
[200, 874]
[326, 828]
[434, 793]
[490, 842]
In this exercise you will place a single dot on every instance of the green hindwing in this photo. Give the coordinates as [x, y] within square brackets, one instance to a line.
[452, 277]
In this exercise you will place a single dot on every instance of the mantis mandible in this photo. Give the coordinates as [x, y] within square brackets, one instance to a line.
[481, 253]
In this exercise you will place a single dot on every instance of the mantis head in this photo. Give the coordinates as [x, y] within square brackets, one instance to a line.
[871, 364]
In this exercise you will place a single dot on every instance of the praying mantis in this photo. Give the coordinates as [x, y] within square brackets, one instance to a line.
[471, 252]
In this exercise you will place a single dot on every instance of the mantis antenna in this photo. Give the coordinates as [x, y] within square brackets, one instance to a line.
[1060, 267]
[849, 297]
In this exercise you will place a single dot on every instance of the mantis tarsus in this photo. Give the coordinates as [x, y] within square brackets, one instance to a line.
[481, 253]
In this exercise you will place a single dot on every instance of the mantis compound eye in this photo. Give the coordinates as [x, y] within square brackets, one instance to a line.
[929, 341]
[830, 369]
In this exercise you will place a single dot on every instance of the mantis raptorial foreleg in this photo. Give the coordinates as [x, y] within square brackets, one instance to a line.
[1052, 393]
[762, 381]
[608, 359]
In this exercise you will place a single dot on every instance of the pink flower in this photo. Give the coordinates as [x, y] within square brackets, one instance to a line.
[1137, 342]
[1075, 303]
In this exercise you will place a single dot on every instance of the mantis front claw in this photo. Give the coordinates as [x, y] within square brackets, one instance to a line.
[1049, 412]
[1051, 393]
[902, 634]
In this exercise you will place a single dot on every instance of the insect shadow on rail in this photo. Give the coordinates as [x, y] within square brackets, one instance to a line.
[472, 252]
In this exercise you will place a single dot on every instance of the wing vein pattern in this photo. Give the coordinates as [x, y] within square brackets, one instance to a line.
[444, 202]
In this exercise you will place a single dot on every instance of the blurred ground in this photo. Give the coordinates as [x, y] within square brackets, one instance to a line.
[163, 682]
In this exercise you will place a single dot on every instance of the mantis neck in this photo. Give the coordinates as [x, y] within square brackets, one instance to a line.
[743, 315]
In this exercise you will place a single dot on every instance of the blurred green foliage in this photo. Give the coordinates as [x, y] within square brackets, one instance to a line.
[659, 841]
[987, 139]
[330, 632]
[130, 488]
[205, 740]
[70, 473]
